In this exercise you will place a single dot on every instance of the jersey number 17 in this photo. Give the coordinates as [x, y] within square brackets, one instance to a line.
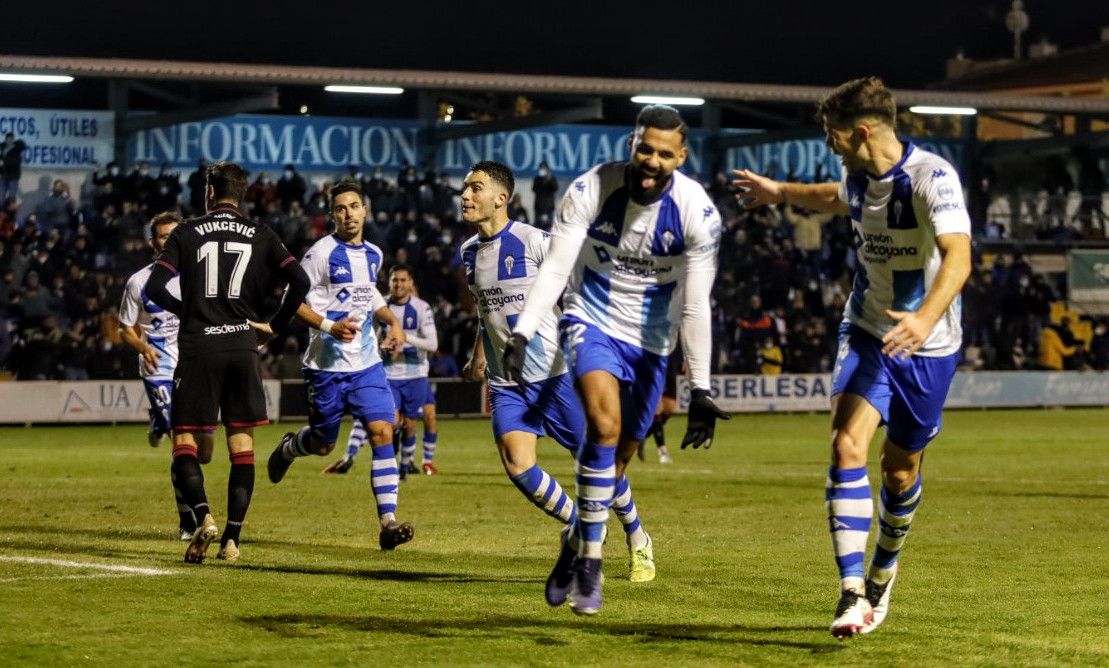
[209, 254]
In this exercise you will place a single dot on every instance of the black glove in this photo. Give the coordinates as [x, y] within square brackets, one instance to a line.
[514, 350]
[702, 420]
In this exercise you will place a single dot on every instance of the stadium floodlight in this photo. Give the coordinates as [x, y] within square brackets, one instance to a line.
[667, 99]
[364, 90]
[35, 78]
[949, 111]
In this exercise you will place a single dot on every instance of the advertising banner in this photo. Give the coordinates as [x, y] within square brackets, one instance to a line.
[331, 144]
[977, 389]
[58, 139]
[1088, 280]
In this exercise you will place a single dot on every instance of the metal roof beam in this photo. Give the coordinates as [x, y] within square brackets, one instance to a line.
[264, 101]
[121, 68]
[589, 112]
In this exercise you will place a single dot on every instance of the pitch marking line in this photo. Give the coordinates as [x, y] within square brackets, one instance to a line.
[108, 570]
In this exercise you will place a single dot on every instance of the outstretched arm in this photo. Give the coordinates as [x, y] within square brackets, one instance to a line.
[760, 190]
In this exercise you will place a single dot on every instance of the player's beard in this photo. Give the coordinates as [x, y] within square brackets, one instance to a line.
[645, 186]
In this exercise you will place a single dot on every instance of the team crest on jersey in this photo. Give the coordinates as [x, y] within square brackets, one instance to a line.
[667, 240]
[855, 201]
[373, 270]
[898, 207]
[409, 322]
[509, 262]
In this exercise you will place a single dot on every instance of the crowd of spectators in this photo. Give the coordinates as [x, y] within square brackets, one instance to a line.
[782, 287]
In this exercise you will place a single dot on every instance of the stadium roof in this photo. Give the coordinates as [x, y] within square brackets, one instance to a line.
[271, 74]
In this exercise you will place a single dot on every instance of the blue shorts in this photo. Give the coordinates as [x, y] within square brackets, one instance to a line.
[909, 394]
[332, 393]
[410, 396]
[547, 408]
[159, 393]
[642, 374]
[430, 398]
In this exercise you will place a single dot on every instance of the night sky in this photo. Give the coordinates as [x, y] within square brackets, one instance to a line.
[782, 41]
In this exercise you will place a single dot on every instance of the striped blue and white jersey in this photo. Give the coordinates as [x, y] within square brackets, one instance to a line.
[630, 275]
[418, 321]
[896, 219]
[158, 325]
[343, 279]
[500, 271]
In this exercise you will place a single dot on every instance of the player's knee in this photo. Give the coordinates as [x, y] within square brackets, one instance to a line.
[321, 448]
[847, 449]
[898, 479]
[603, 428]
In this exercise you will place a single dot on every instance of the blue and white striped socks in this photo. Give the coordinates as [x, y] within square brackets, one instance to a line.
[407, 449]
[384, 479]
[544, 491]
[624, 507]
[357, 439]
[895, 516]
[850, 509]
[595, 471]
[431, 438]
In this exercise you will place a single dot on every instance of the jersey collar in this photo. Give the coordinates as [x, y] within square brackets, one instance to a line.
[498, 235]
[228, 207]
[906, 150]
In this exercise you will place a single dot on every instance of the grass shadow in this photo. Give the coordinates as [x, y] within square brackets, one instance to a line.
[538, 630]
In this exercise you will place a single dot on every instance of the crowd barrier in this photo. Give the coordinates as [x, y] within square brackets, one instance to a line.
[976, 389]
[34, 402]
[110, 401]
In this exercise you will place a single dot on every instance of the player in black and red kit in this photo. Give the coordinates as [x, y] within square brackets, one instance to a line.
[228, 266]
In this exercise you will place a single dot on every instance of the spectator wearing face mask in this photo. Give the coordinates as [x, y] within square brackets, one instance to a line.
[110, 184]
[545, 186]
[140, 184]
[56, 212]
[291, 187]
[167, 188]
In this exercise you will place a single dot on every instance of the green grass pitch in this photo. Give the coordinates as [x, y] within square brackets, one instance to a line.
[1007, 563]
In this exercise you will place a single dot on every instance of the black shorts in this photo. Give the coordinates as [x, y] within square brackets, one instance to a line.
[211, 385]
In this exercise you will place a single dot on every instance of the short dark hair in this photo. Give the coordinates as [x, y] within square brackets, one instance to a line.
[344, 185]
[163, 218]
[866, 97]
[400, 266]
[497, 171]
[228, 179]
[662, 117]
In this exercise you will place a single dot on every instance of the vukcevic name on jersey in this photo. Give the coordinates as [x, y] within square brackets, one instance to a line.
[159, 325]
[896, 219]
[500, 271]
[344, 284]
[419, 326]
[630, 274]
